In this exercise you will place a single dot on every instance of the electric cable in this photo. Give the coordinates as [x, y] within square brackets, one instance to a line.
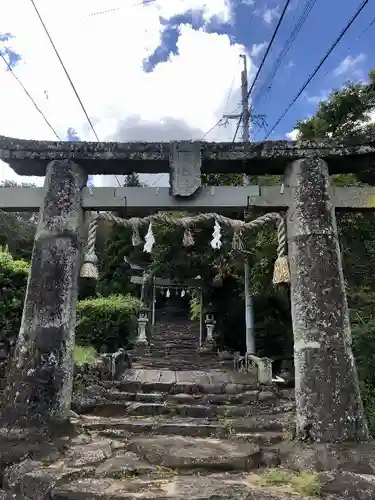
[266, 86]
[230, 90]
[68, 76]
[212, 128]
[29, 96]
[370, 25]
[263, 61]
[322, 61]
[144, 3]
[158, 179]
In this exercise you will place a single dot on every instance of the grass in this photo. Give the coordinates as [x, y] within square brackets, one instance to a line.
[83, 355]
[304, 483]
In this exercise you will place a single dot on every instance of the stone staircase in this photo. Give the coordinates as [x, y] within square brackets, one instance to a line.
[192, 404]
[166, 434]
[175, 345]
[178, 434]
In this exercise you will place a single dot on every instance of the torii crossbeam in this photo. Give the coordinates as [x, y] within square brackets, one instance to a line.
[185, 162]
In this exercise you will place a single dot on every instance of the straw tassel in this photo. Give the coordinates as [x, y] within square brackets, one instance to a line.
[281, 272]
[188, 239]
[136, 237]
[237, 243]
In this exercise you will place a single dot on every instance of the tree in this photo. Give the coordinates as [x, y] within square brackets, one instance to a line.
[346, 112]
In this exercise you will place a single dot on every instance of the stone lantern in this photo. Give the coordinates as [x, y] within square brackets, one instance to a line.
[210, 325]
[142, 326]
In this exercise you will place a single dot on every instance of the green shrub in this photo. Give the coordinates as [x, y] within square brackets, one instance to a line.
[101, 322]
[13, 281]
[84, 355]
[363, 335]
[107, 322]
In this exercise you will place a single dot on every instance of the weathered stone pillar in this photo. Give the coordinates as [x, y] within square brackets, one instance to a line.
[40, 380]
[329, 406]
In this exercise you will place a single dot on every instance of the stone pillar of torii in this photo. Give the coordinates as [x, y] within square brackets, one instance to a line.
[328, 401]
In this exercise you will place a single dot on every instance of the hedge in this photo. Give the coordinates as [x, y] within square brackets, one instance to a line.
[13, 281]
[107, 323]
[102, 323]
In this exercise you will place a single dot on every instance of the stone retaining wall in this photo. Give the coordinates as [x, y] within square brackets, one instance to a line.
[109, 366]
[106, 367]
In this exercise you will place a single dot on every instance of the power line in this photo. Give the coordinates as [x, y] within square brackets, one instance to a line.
[363, 33]
[219, 122]
[158, 179]
[328, 53]
[68, 76]
[263, 60]
[65, 70]
[145, 2]
[265, 88]
[212, 128]
[29, 96]
[372, 23]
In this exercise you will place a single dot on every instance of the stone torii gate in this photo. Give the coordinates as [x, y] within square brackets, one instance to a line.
[328, 400]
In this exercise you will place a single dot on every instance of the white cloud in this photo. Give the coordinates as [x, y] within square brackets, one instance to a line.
[349, 65]
[269, 14]
[104, 56]
[292, 136]
[316, 99]
[257, 48]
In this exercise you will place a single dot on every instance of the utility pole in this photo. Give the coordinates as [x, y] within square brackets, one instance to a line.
[245, 118]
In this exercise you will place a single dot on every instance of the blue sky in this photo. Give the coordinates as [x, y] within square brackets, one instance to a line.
[352, 59]
[250, 23]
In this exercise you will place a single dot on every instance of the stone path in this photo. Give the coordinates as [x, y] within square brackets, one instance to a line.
[165, 434]
[175, 345]
[207, 380]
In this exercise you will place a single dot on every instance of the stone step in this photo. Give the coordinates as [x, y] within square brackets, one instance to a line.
[246, 398]
[187, 426]
[168, 360]
[178, 357]
[178, 365]
[263, 438]
[193, 344]
[120, 409]
[180, 353]
[259, 398]
[174, 351]
[191, 353]
[170, 343]
[181, 387]
[221, 486]
[187, 368]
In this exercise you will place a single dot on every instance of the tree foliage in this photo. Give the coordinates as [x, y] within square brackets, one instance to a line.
[106, 322]
[346, 112]
[115, 272]
[13, 280]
